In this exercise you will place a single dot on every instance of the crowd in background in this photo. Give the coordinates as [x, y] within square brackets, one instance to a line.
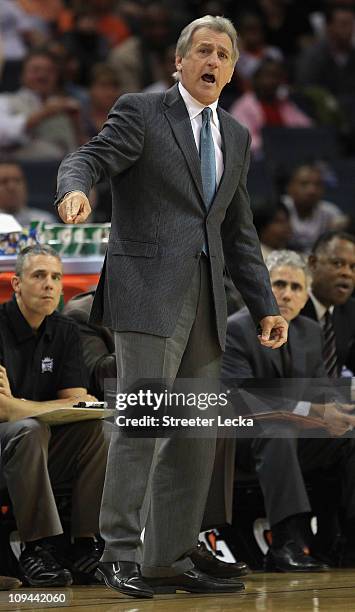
[65, 62]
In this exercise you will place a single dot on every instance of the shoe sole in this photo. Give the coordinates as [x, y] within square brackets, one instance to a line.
[37, 583]
[277, 570]
[101, 577]
[171, 590]
[223, 576]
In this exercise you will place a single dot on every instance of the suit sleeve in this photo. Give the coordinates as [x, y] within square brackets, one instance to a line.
[236, 362]
[242, 251]
[112, 151]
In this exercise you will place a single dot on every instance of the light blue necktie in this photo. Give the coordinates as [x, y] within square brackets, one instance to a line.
[208, 159]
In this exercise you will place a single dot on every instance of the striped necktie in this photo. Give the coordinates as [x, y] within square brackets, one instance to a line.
[329, 349]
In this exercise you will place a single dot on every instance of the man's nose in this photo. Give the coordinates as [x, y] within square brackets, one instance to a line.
[213, 59]
[346, 270]
[286, 293]
[49, 282]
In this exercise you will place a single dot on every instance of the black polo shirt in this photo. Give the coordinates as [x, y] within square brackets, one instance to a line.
[39, 364]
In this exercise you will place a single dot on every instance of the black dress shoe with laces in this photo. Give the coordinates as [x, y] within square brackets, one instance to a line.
[194, 581]
[125, 577]
[292, 558]
[39, 568]
[206, 561]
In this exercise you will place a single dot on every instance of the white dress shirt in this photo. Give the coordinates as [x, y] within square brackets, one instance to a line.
[195, 108]
[320, 308]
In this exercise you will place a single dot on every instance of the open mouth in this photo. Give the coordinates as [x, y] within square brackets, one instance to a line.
[344, 287]
[208, 78]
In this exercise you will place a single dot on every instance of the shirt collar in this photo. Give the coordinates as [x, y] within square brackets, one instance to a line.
[194, 107]
[22, 330]
[319, 307]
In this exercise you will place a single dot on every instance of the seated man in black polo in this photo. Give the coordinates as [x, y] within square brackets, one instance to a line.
[41, 362]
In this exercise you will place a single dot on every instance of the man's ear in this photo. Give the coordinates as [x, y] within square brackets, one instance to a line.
[312, 260]
[178, 63]
[15, 283]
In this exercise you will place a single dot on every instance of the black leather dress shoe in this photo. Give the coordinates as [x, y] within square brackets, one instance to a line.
[206, 561]
[193, 581]
[125, 577]
[292, 558]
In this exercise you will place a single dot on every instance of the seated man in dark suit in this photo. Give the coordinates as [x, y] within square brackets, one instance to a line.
[41, 362]
[280, 462]
[97, 341]
[332, 266]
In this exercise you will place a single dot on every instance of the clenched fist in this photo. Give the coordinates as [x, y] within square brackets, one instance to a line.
[74, 208]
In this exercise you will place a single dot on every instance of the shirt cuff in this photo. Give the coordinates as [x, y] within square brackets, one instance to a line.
[353, 389]
[302, 408]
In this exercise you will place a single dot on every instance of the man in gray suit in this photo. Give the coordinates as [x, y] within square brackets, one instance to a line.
[177, 217]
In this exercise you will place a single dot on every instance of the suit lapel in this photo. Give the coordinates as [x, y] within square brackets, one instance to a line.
[342, 337]
[180, 123]
[296, 346]
[227, 148]
[309, 311]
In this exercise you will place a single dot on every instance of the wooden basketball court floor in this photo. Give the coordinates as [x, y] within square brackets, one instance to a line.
[324, 592]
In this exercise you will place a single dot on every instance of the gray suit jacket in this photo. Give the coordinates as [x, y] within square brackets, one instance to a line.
[159, 220]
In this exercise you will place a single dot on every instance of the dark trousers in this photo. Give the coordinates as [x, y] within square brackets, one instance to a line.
[281, 463]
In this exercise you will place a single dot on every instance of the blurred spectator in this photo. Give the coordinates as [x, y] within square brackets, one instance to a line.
[330, 63]
[18, 31]
[104, 91]
[108, 22]
[85, 43]
[35, 122]
[253, 49]
[13, 196]
[268, 104]
[168, 68]
[48, 10]
[286, 25]
[310, 216]
[273, 226]
[68, 67]
[137, 61]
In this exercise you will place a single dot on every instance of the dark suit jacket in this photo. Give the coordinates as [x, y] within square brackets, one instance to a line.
[97, 342]
[344, 327]
[246, 359]
[159, 219]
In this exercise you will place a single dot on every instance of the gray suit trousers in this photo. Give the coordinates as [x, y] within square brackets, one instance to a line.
[181, 473]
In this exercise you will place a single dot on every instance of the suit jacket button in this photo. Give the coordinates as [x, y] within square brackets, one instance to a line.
[198, 254]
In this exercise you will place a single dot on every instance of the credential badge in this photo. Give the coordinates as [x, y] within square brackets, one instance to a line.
[47, 364]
